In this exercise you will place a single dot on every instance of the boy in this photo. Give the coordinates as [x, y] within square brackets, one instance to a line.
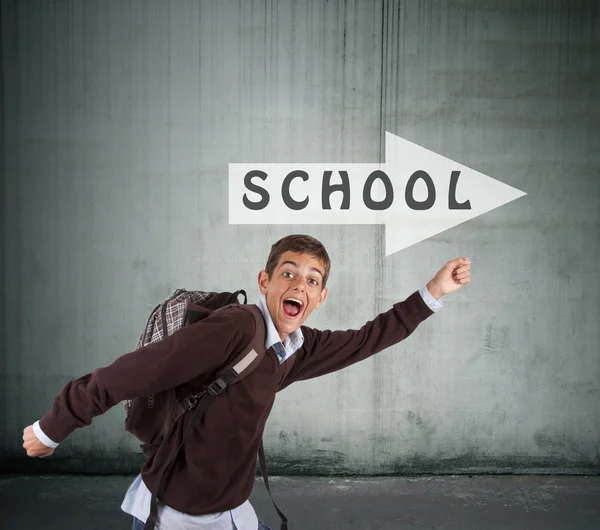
[209, 485]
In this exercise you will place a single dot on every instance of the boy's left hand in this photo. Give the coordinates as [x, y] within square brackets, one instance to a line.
[451, 277]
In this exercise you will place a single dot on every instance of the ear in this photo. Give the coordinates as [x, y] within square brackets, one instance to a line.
[263, 281]
[322, 297]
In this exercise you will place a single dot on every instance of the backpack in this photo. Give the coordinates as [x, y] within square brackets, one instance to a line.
[149, 418]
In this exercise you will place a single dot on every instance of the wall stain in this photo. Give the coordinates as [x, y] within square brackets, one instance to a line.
[316, 463]
[553, 440]
[424, 426]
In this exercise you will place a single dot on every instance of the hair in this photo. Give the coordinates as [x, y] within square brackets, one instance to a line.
[301, 244]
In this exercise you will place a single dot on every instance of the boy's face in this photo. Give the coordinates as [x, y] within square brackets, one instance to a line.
[293, 291]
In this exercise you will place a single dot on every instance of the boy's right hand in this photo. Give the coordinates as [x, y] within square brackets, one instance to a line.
[33, 445]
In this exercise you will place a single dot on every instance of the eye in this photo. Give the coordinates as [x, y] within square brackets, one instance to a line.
[288, 275]
[313, 281]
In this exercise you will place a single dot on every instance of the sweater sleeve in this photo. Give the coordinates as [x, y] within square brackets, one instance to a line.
[324, 352]
[188, 353]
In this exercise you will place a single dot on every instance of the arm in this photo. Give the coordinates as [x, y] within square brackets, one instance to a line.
[324, 352]
[327, 351]
[190, 352]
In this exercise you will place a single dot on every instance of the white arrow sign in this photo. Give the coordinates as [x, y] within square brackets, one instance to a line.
[416, 193]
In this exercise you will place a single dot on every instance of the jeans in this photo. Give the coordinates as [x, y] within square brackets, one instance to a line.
[139, 525]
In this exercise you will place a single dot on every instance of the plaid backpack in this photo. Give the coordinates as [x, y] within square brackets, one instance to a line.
[149, 418]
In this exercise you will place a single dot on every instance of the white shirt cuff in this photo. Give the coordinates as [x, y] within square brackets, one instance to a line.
[434, 305]
[42, 437]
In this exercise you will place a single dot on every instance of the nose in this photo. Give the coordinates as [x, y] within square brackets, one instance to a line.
[299, 285]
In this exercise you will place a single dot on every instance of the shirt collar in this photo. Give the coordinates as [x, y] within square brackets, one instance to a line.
[292, 342]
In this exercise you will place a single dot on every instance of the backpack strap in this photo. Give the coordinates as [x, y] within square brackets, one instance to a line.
[242, 365]
[263, 471]
[234, 296]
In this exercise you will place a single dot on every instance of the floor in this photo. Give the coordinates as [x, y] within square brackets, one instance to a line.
[69, 502]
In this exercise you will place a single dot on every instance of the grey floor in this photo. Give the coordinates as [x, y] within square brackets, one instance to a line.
[69, 502]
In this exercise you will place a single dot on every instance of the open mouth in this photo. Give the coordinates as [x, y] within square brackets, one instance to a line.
[292, 307]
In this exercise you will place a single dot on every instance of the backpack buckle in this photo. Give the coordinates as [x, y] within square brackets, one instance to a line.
[190, 402]
[216, 387]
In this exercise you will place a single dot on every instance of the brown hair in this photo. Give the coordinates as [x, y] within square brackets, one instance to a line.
[301, 244]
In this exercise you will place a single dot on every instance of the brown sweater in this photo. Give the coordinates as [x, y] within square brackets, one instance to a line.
[215, 470]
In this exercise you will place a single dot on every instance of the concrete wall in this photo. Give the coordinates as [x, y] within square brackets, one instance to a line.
[119, 119]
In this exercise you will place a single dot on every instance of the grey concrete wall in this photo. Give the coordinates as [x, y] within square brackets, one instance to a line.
[119, 119]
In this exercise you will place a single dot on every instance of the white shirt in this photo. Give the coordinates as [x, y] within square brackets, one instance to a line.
[137, 503]
[137, 498]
